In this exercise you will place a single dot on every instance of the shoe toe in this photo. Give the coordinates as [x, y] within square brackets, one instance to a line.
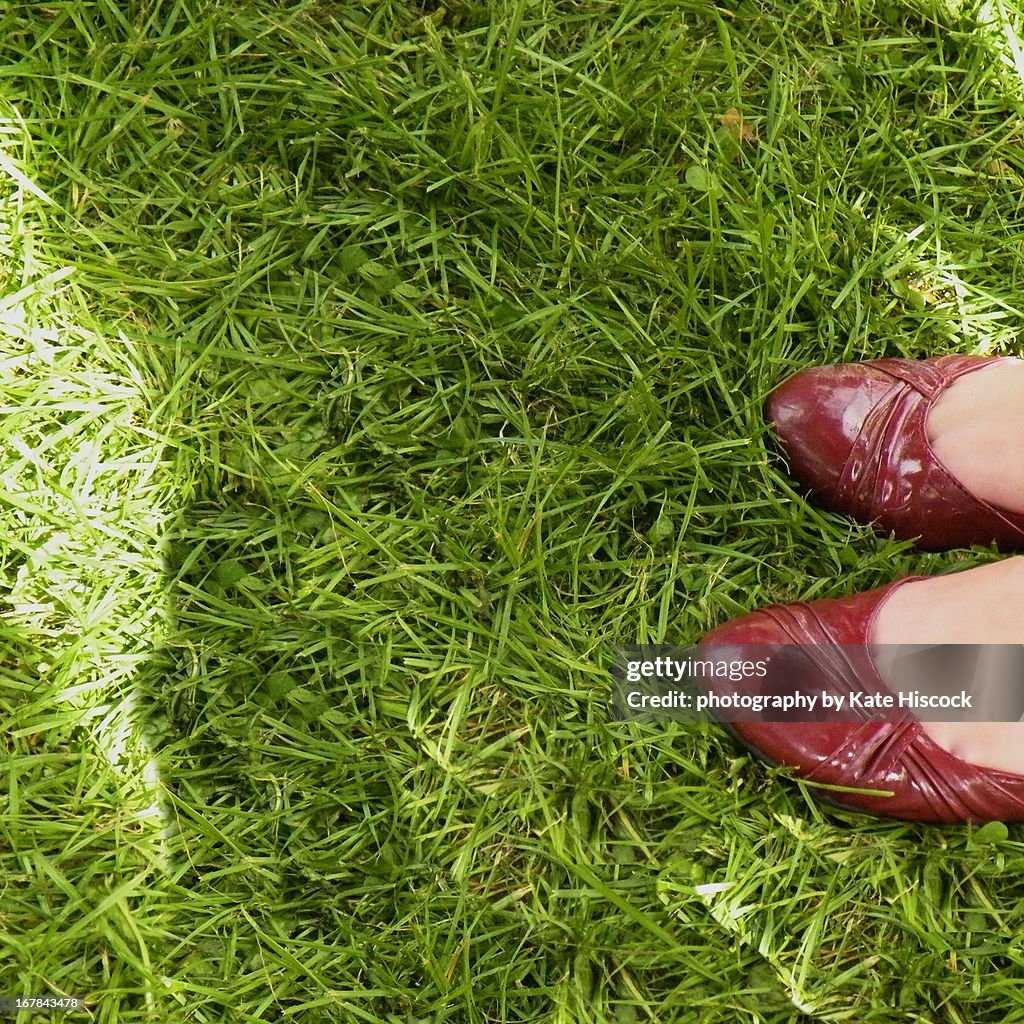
[818, 414]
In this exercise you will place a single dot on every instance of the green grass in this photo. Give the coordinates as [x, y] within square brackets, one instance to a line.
[365, 375]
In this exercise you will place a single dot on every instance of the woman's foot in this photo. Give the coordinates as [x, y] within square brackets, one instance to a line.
[926, 449]
[978, 606]
[896, 767]
[976, 428]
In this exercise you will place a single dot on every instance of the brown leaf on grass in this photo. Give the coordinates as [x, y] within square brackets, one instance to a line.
[733, 120]
[996, 167]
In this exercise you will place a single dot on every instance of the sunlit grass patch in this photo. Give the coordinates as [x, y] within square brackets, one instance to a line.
[81, 606]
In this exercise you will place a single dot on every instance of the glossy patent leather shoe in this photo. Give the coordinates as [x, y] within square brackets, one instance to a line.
[855, 435]
[909, 775]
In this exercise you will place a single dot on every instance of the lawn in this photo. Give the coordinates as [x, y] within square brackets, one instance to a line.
[367, 371]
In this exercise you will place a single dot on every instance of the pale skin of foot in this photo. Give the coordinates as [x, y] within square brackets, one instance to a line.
[979, 606]
[976, 428]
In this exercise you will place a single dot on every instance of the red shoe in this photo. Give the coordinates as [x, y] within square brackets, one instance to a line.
[855, 435]
[916, 779]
